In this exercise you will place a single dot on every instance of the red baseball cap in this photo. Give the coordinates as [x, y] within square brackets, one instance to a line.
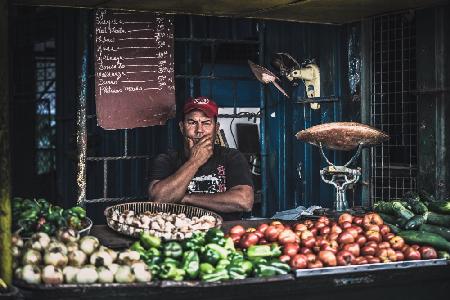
[204, 104]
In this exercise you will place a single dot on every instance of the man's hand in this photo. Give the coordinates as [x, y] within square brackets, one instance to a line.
[200, 152]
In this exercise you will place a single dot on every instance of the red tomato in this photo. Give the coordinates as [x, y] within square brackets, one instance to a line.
[287, 236]
[248, 239]
[271, 233]
[285, 258]
[299, 261]
[368, 250]
[427, 252]
[345, 217]
[291, 249]
[344, 258]
[397, 242]
[315, 264]
[237, 229]
[412, 254]
[262, 227]
[328, 258]
[345, 238]
[353, 248]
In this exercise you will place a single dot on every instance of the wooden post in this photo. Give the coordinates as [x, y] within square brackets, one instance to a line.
[5, 205]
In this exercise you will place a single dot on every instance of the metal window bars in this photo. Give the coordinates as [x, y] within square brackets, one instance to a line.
[188, 77]
[394, 106]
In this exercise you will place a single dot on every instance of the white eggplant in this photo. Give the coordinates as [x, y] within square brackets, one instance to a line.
[77, 258]
[52, 275]
[18, 273]
[56, 258]
[70, 274]
[31, 257]
[15, 252]
[124, 275]
[101, 258]
[105, 275]
[89, 244]
[87, 274]
[31, 274]
[110, 251]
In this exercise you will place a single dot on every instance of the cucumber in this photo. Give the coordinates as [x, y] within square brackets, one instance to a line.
[402, 211]
[425, 238]
[442, 231]
[413, 200]
[437, 219]
[416, 221]
[388, 218]
[440, 207]
[393, 208]
[394, 229]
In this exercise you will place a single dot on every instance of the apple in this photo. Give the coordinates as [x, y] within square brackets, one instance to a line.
[271, 233]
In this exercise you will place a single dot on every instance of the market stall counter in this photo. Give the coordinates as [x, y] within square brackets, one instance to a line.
[431, 279]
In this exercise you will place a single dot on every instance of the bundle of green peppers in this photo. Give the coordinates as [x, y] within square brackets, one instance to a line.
[207, 256]
[41, 216]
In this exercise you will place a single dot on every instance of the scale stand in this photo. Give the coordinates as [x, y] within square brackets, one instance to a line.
[340, 177]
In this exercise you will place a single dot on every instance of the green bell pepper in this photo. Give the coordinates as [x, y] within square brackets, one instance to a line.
[210, 256]
[78, 211]
[191, 264]
[217, 275]
[172, 249]
[236, 257]
[219, 249]
[153, 252]
[215, 236]
[149, 241]
[196, 242]
[256, 251]
[54, 213]
[171, 272]
[136, 246]
[222, 264]
[206, 268]
[173, 261]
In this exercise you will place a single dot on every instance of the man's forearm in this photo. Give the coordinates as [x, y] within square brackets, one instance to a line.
[238, 199]
[173, 188]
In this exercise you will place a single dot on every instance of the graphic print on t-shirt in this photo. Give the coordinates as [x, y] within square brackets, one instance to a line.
[209, 184]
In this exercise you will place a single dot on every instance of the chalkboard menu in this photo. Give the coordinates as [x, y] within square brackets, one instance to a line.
[134, 77]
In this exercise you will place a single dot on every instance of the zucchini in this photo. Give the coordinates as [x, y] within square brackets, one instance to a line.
[440, 207]
[443, 254]
[416, 221]
[442, 231]
[425, 238]
[437, 219]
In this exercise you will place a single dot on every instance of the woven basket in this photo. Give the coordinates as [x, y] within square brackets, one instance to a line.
[152, 207]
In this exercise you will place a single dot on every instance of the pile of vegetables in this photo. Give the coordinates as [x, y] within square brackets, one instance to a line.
[419, 220]
[67, 258]
[352, 240]
[30, 216]
[209, 257]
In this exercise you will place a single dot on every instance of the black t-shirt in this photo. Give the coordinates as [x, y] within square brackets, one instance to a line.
[225, 169]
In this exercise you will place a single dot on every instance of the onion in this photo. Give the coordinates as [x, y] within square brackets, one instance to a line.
[87, 274]
[52, 275]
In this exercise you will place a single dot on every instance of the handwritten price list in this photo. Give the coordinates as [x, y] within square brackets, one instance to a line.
[134, 69]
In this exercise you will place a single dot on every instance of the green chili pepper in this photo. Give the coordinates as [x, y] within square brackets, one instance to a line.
[247, 266]
[218, 275]
[191, 264]
[206, 268]
[149, 241]
[236, 272]
[172, 249]
[267, 270]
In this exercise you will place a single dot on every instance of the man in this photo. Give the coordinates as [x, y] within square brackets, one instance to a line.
[204, 174]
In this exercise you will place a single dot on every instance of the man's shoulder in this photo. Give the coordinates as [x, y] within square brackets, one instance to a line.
[170, 155]
[228, 152]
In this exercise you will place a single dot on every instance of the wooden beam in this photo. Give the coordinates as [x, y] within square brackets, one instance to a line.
[5, 206]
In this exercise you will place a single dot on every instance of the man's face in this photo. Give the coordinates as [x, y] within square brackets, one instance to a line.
[197, 124]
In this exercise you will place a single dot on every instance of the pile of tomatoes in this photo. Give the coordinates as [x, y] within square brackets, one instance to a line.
[352, 240]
